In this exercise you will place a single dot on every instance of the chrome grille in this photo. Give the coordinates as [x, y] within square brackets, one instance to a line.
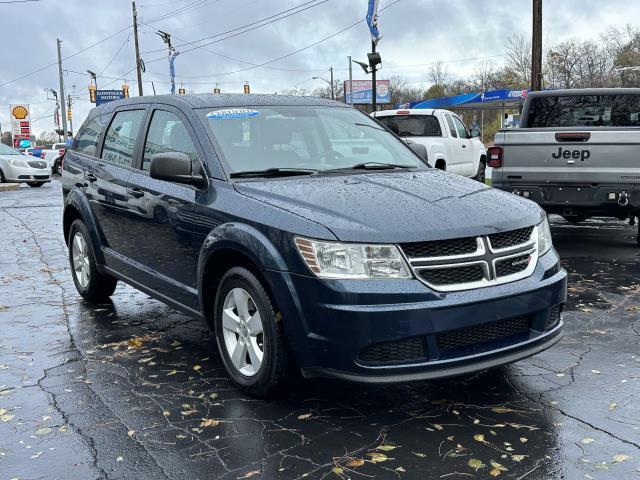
[511, 238]
[440, 248]
[474, 262]
[452, 276]
[37, 164]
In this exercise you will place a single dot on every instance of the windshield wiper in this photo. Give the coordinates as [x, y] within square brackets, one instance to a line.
[274, 172]
[370, 166]
[375, 127]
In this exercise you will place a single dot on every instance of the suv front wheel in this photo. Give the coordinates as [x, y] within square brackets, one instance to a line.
[90, 283]
[249, 333]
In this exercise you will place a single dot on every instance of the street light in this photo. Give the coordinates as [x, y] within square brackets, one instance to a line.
[370, 68]
[94, 77]
[330, 82]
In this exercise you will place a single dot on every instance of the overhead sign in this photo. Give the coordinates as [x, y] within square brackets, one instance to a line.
[362, 91]
[105, 96]
[492, 96]
[20, 123]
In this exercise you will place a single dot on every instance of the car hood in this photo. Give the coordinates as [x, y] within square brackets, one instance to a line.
[24, 158]
[396, 207]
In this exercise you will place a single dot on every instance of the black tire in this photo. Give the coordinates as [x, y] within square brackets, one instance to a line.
[100, 286]
[481, 175]
[57, 168]
[35, 184]
[272, 372]
[2, 179]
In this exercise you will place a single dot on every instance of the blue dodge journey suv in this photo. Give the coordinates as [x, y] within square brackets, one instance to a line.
[307, 234]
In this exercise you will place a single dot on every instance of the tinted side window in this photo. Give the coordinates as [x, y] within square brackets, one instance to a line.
[585, 111]
[167, 133]
[412, 125]
[87, 139]
[462, 130]
[452, 127]
[120, 141]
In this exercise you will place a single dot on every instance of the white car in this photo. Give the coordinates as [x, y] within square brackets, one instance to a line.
[449, 144]
[18, 168]
[52, 156]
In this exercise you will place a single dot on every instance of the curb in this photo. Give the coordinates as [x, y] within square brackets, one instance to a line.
[7, 187]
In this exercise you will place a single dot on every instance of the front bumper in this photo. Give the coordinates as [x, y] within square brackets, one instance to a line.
[23, 175]
[332, 325]
[572, 200]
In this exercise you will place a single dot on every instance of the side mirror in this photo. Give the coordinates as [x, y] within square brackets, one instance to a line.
[174, 167]
[475, 132]
[419, 149]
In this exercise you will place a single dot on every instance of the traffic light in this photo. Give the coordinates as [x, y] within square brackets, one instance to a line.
[246, 88]
[69, 114]
[217, 90]
[181, 91]
[125, 90]
[92, 93]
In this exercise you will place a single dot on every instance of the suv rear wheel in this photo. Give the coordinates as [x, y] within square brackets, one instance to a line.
[481, 175]
[249, 333]
[90, 283]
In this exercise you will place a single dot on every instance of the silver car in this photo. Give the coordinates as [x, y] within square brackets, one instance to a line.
[18, 168]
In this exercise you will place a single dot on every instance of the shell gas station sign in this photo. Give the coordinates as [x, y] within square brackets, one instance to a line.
[20, 124]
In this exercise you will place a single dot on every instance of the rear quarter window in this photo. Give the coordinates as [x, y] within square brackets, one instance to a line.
[412, 125]
[584, 111]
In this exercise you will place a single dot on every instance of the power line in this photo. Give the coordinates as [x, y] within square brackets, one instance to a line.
[19, 1]
[254, 24]
[126, 41]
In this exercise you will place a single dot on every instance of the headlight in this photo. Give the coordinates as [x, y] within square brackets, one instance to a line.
[354, 261]
[18, 163]
[544, 237]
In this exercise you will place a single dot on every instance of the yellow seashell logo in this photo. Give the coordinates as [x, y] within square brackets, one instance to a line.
[20, 112]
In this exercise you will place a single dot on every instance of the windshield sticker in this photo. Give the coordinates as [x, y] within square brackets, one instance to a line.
[233, 113]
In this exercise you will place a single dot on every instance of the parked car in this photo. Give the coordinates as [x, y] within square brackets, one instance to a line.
[53, 156]
[18, 168]
[575, 153]
[358, 263]
[449, 143]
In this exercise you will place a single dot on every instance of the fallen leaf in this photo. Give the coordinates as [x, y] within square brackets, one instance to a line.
[172, 372]
[386, 448]
[186, 413]
[438, 427]
[304, 416]
[131, 433]
[621, 458]
[36, 455]
[43, 431]
[613, 406]
[501, 410]
[166, 413]
[478, 437]
[497, 466]
[418, 454]
[476, 464]
[134, 343]
[517, 458]
[197, 367]
[175, 343]
[377, 457]
[494, 472]
[63, 428]
[356, 462]
[6, 418]
[3, 411]
[400, 469]
[145, 360]
[250, 474]
[209, 422]
[119, 459]
[586, 441]
[595, 371]
[524, 439]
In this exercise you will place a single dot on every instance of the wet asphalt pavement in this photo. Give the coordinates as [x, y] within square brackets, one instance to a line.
[132, 389]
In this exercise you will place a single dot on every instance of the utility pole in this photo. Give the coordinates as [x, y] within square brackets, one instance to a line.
[350, 83]
[536, 47]
[135, 38]
[70, 113]
[62, 106]
[374, 91]
[333, 88]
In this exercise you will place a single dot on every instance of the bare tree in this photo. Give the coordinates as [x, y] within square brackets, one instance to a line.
[438, 73]
[517, 70]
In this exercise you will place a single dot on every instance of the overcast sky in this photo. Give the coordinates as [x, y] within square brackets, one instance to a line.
[416, 33]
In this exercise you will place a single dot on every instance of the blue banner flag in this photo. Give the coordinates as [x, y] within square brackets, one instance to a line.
[172, 71]
[372, 21]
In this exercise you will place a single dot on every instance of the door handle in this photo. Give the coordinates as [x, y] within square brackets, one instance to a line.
[135, 192]
[90, 176]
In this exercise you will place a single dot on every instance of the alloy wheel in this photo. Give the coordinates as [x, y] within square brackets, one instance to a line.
[243, 331]
[80, 257]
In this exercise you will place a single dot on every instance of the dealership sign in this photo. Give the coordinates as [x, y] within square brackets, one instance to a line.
[362, 91]
[20, 123]
[104, 96]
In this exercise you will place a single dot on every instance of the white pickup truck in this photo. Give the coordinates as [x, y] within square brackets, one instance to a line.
[449, 144]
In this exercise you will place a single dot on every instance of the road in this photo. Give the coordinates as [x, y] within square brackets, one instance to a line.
[132, 389]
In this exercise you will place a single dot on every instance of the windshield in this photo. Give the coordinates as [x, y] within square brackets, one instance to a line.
[585, 111]
[6, 150]
[412, 125]
[304, 137]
